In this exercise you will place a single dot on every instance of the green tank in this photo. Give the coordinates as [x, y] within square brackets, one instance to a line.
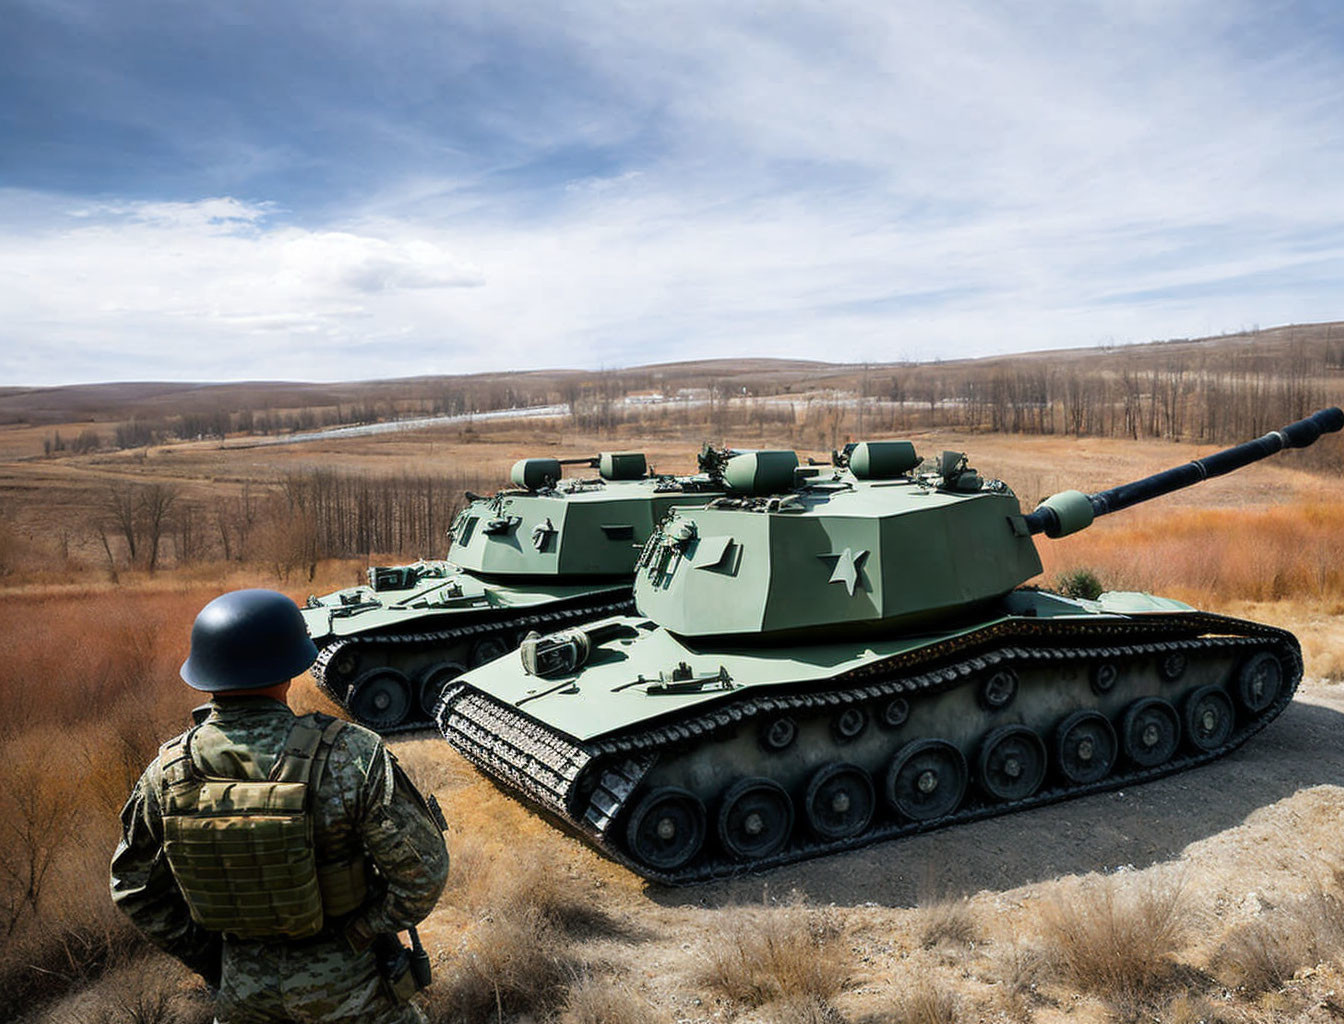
[545, 553]
[856, 658]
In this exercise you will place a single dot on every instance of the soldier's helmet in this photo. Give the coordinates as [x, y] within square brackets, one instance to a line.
[247, 639]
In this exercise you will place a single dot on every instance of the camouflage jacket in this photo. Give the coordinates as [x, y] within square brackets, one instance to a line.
[364, 802]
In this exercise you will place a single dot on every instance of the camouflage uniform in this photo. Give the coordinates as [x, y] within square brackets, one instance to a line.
[364, 803]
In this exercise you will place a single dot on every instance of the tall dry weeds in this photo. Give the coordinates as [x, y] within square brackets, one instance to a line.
[84, 703]
[794, 952]
[922, 1000]
[950, 920]
[1117, 937]
[1264, 954]
[1214, 555]
[511, 963]
[604, 999]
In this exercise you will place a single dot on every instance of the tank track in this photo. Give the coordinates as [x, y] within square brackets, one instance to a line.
[503, 626]
[546, 768]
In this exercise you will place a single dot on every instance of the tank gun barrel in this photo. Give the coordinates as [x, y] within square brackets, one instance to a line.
[1071, 511]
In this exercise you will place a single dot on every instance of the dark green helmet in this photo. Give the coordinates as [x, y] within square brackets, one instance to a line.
[245, 640]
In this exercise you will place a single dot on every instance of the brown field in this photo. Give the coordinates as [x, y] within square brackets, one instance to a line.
[1213, 896]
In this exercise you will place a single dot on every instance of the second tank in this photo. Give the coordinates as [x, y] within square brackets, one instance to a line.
[549, 551]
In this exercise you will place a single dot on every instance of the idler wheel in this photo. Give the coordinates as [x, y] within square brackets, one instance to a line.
[1259, 681]
[895, 712]
[999, 689]
[487, 649]
[838, 802]
[755, 818]
[1085, 747]
[1011, 762]
[778, 733]
[343, 666]
[849, 724]
[380, 698]
[1150, 732]
[432, 682]
[1209, 718]
[1105, 674]
[926, 780]
[666, 828]
[1171, 666]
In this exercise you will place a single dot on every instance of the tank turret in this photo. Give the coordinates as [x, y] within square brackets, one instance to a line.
[880, 544]
[852, 658]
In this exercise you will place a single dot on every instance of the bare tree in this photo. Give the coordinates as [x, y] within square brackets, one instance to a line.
[155, 504]
[119, 508]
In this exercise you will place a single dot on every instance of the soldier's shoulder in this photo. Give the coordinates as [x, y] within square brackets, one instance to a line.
[353, 744]
[151, 779]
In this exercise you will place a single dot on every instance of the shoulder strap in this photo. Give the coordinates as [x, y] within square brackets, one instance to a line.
[324, 751]
[296, 759]
[305, 751]
[179, 771]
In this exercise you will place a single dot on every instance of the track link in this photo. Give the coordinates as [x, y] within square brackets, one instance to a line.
[546, 768]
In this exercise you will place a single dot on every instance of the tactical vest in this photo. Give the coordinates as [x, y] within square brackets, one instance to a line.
[242, 850]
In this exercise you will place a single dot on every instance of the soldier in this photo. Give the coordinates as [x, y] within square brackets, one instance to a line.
[284, 890]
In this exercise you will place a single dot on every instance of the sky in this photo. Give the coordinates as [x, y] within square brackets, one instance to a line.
[346, 190]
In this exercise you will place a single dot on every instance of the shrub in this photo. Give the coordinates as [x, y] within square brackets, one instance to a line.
[921, 1001]
[512, 962]
[607, 1000]
[1116, 943]
[947, 920]
[1080, 583]
[791, 952]
[1263, 955]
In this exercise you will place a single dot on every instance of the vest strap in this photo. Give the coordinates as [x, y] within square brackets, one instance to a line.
[296, 762]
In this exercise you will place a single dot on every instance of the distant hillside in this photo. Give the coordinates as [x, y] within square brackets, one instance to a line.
[1319, 344]
[1206, 389]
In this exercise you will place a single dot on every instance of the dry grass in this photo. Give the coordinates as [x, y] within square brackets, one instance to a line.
[512, 962]
[84, 703]
[1195, 1009]
[518, 957]
[922, 1001]
[1019, 971]
[139, 993]
[951, 921]
[1264, 954]
[492, 876]
[608, 1000]
[791, 953]
[1213, 555]
[805, 1010]
[1116, 941]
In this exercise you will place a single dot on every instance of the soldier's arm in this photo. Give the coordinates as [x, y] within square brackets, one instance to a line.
[403, 840]
[144, 889]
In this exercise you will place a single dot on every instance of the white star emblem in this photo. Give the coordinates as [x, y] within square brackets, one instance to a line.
[846, 569]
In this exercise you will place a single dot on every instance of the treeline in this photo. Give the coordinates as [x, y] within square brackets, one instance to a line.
[1207, 400]
[333, 514]
[142, 431]
[1183, 392]
[289, 526]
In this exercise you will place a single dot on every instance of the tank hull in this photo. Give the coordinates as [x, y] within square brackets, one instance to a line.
[907, 735]
[389, 670]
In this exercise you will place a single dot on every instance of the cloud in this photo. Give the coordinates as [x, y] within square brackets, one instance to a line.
[487, 186]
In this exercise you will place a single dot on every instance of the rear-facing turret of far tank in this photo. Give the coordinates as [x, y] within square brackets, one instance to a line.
[853, 658]
[549, 551]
